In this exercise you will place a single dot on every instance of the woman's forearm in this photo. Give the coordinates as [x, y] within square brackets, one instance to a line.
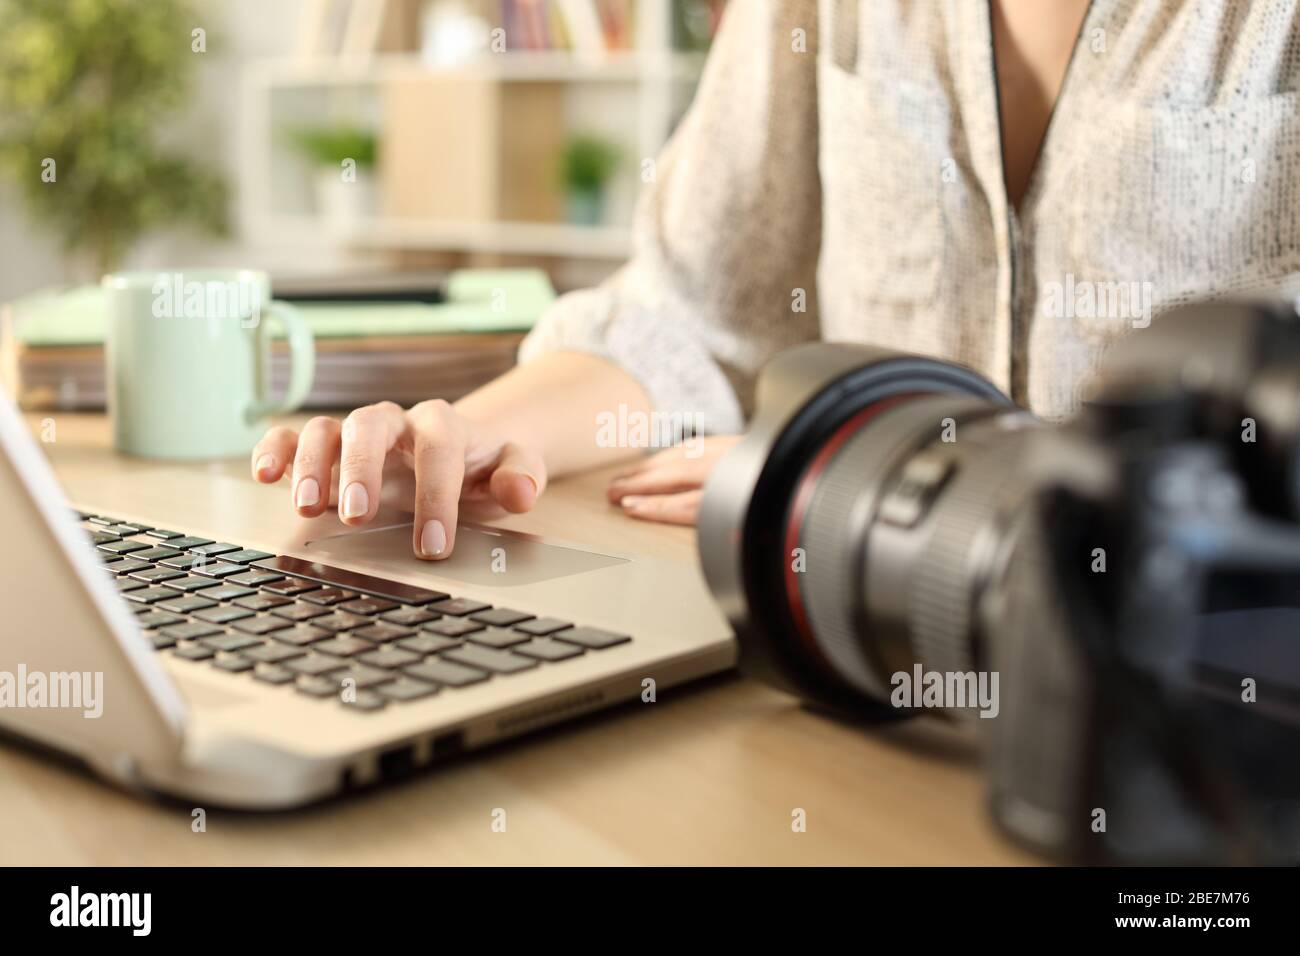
[555, 404]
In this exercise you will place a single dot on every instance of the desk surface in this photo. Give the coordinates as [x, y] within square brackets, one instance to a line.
[709, 774]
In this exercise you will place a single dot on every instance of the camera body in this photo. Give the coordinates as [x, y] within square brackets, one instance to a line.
[1114, 601]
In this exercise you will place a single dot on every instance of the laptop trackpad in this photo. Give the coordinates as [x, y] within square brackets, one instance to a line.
[491, 557]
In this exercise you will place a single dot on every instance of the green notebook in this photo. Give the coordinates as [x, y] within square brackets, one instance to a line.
[478, 300]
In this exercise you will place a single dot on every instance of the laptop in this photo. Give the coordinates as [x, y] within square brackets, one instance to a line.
[216, 648]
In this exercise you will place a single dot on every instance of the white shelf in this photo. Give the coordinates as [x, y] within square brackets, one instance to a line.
[644, 84]
[527, 67]
[562, 240]
[518, 238]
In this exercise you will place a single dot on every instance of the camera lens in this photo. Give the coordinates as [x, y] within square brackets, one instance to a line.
[849, 537]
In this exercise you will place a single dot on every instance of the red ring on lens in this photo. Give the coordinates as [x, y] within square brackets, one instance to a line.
[803, 497]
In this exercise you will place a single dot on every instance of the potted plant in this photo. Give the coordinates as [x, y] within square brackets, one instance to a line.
[586, 166]
[344, 179]
[84, 88]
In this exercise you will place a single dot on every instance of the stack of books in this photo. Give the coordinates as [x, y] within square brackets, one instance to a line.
[585, 26]
[52, 355]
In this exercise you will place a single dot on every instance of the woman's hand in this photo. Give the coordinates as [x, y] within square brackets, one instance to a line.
[668, 486]
[455, 463]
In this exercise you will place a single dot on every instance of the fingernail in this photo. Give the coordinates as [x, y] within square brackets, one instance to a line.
[355, 500]
[433, 538]
[630, 501]
[307, 493]
[265, 463]
[537, 485]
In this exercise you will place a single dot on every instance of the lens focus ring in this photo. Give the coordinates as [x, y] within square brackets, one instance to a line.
[961, 549]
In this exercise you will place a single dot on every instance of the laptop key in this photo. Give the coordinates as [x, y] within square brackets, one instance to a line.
[148, 594]
[100, 520]
[316, 665]
[190, 630]
[389, 658]
[233, 663]
[460, 606]
[186, 605]
[185, 542]
[217, 569]
[223, 615]
[428, 643]
[262, 624]
[190, 583]
[454, 627]
[272, 673]
[104, 537]
[328, 596]
[501, 617]
[340, 621]
[343, 646]
[546, 649]
[128, 584]
[408, 616]
[254, 579]
[445, 672]
[362, 676]
[213, 549]
[272, 652]
[365, 700]
[315, 686]
[181, 560]
[541, 626]
[152, 618]
[591, 637]
[367, 605]
[154, 554]
[122, 547]
[163, 534]
[129, 528]
[488, 659]
[245, 556]
[195, 652]
[161, 641]
[230, 641]
[151, 575]
[290, 586]
[262, 602]
[300, 635]
[497, 637]
[298, 611]
[406, 688]
[227, 592]
[127, 565]
[383, 632]
[339, 578]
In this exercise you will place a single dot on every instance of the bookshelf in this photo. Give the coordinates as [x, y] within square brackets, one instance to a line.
[630, 97]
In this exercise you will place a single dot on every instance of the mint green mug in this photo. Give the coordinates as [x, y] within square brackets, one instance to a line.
[187, 353]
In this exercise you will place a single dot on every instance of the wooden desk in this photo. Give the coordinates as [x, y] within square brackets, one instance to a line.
[710, 774]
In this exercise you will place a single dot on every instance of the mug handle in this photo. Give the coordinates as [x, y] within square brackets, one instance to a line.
[302, 359]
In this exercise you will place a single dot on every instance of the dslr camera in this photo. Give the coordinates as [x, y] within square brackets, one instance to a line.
[1113, 601]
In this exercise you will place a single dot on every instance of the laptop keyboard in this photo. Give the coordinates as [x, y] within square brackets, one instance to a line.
[325, 632]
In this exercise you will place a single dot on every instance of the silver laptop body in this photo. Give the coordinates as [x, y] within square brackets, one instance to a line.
[191, 730]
